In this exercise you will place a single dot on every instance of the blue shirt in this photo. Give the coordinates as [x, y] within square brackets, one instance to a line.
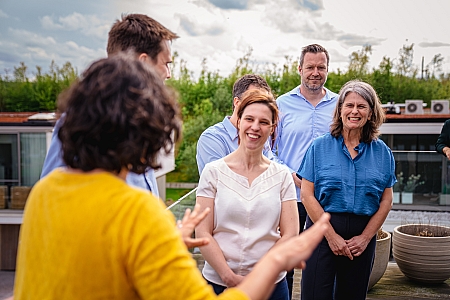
[54, 160]
[346, 185]
[300, 123]
[220, 140]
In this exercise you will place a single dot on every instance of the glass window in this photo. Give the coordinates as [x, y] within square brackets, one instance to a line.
[9, 159]
[32, 154]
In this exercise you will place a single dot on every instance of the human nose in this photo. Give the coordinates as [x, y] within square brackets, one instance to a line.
[256, 126]
[168, 75]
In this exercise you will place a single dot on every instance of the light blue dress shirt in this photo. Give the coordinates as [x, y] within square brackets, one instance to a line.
[220, 140]
[300, 123]
[54, 160]
[346, 185]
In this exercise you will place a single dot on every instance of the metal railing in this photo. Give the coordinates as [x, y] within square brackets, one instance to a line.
[179, 207]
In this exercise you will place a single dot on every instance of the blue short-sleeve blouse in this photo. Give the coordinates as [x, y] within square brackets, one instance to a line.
[346, 185]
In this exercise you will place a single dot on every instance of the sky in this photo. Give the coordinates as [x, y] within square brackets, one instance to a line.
[220, 32]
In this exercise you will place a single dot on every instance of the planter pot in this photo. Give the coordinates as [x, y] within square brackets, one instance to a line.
[444, 199]
[422, 258]
[407, 198]
[381, 259]
[396, 198]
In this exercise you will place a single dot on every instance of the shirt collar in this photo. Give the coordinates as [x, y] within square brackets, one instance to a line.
[329, 95]
[360, 147]
[229, 127]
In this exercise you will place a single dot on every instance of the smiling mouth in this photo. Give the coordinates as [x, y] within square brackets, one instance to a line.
[253, 136]
[354, 119]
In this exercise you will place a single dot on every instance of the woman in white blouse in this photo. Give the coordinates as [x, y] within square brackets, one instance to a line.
[252, 201]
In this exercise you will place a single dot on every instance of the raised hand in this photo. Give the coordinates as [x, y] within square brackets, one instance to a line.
[187, 225]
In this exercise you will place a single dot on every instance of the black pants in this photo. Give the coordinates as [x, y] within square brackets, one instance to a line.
[302, 218]
[328, 276]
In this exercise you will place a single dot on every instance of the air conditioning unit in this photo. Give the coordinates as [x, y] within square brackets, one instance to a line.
[439, 107]
[414, 107]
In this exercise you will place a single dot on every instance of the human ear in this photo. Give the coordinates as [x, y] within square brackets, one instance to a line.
[143, 57]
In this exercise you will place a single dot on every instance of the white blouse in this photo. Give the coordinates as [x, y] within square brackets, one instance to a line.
[246, 218]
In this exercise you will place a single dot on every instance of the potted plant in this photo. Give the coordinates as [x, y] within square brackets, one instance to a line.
[409, 187]
[381, 259]
[398, 188]
[444, 197]
[422, 252]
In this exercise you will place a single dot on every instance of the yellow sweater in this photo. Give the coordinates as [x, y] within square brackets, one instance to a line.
[91, 236]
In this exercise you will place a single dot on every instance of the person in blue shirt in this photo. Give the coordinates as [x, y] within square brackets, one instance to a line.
[221, 139]
[151, 42]
[348, 173]
[306, 113]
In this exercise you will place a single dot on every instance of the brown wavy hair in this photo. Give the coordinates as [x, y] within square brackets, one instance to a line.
[118, 114]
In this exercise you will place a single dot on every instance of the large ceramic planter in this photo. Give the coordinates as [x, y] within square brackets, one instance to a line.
[381, 259]
[422, 258]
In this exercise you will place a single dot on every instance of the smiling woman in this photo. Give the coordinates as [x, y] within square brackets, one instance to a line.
[251, 199]
[355, 188]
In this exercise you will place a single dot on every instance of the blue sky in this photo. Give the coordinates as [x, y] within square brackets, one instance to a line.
[222, 31]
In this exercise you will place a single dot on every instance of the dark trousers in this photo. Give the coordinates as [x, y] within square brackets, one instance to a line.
[279, 293]
[328, 276]
[302, 218]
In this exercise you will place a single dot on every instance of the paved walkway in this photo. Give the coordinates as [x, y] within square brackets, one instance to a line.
[393, 285]
[6, 284]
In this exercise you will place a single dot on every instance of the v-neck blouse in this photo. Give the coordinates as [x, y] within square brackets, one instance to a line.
[246, 217]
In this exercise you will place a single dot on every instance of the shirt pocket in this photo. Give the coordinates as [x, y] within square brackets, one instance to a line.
[375, 183]
[328, 181]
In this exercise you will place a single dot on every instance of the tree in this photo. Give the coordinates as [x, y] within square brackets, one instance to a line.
[405, 62]
[359, 61]
[435, 65]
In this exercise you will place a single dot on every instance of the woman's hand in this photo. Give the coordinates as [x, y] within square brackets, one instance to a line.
[187, 225]
[357, 244]
[339, 246]
[231, 279]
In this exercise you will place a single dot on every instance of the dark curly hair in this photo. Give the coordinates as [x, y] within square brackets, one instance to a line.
[119, 114]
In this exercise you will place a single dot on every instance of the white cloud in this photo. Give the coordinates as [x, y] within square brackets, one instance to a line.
[223, 31]
[433, 44]
[89, 25]
[230, 4]
[38, 50]
[197, 27]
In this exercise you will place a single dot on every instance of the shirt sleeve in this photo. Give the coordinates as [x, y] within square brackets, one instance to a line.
[53, 159]
[444, 138]
[209, 148]
[274, 148]
[392, 177]
[288, 191]
[306, 169]
[207, 185]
